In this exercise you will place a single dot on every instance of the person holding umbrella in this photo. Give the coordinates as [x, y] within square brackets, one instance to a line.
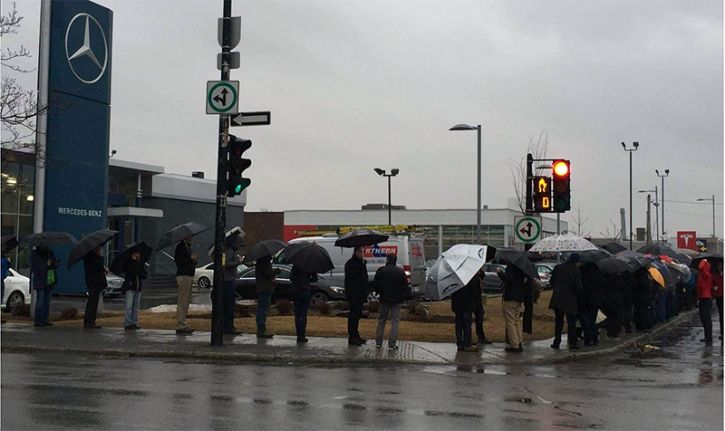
[704, 298]
[392, 286]
[356, 289]
[463, 304]
[301, 295]
[95, 272]
[134, 273]
[185, 266]
[42, 279]
[231, 260]
[566, 283]
[516, 289]
[264, 274]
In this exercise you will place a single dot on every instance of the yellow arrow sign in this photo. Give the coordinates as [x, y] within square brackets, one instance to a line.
[543, 184]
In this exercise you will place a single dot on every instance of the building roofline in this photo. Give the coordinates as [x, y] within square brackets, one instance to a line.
[135, 166]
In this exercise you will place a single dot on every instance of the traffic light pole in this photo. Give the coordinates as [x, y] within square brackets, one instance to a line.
[217, 308]
[529, 175]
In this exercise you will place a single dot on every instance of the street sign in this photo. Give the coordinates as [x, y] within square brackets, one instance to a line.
[229, 59]
[235, 32]
[222, 97]
[527, 229]
[261, 118]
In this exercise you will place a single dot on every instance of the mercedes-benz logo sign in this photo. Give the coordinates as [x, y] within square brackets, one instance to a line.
[98, 55]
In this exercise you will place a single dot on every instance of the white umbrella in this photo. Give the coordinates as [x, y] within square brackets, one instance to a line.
[454, 269]
[563, 243]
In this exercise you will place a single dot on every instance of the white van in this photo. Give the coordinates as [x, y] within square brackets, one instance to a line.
[408, 248]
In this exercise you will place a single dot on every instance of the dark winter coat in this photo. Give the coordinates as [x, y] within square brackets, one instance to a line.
[231, 262]
[300, 280]
[356, 279]
[185, 265]
[516, 285]
[95, 272]
[592, 286]
[264, 275]
[134, 273]
[39, 268]
[613, 299]
[566, 283]
[391, 284]
[467, 298]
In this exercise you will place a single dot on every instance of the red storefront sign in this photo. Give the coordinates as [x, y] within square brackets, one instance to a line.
[687, 239]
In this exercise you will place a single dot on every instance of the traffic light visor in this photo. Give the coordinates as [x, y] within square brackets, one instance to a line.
[561, 168]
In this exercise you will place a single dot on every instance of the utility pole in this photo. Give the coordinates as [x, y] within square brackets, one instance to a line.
[662, 204]
[217, 309]
[649, 227]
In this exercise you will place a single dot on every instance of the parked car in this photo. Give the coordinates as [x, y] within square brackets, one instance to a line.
[409, 249]
[324, 289]
[545, 269]
[492, 283]
[204, 276]
[17, 290]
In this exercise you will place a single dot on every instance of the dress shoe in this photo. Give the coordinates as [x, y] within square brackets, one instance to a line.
[393, 347]
[355, 342]
[302, 340]
[129, 328]
[265, 335]
[555, 346]
[184, 331]
[514, 349]
[470, 349]
[484, 340]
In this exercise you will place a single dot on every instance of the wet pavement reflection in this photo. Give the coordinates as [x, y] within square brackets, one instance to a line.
[676, 384]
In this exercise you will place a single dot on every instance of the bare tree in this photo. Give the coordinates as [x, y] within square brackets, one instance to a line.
[18, 106]
[538, 147]
[579, 221]
[612, 233]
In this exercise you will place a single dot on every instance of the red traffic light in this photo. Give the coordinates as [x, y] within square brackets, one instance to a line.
[561, 168]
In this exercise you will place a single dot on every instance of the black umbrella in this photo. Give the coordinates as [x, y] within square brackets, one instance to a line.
[309, 257]
[518, 259]
[88, 243]
[613, 247]
[118, 264]
[180, 232]
[47, 238]
[234, 234]
[634, 259]
[658, 250]
[265, 248]
[593, 256]
[361, 237]
[680, 272]
[709, 256]
[9, 242]
[612, 265]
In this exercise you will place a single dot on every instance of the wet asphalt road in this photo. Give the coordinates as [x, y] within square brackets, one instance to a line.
[679, 386]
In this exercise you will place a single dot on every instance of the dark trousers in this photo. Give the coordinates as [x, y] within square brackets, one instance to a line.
[705, 307]
[42, 306]
[588, 319]
[463, 328]
[478, 314]
[627, 318]
[718, 301]
[89, 318]
[641, 315]
[301, 305]
[229, 304]
[353, 318]
[559, 327]
[613, 323]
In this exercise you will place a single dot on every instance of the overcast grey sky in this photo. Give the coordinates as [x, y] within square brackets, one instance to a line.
[354, 85]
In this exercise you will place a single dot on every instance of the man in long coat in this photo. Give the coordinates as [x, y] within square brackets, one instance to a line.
[566, 282]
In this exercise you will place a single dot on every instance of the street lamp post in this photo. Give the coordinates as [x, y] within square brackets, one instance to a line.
[382, 173]
[667, 172]
[635, 145]
[655, 204]
[478, 177]
[713, 212]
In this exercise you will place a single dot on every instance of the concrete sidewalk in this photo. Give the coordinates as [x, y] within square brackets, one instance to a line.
[18, 337]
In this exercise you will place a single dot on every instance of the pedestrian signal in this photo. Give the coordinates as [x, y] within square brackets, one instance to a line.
[542, 194]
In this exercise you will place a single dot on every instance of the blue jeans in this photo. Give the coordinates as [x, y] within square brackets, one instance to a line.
[264, 300]
[42, 306]
[302, 304]
[133, 302]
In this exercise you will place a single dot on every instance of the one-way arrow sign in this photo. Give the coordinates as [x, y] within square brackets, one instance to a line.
[261, 118]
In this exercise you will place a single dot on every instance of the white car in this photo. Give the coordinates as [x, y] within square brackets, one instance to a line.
[204, 276]
[17, 290]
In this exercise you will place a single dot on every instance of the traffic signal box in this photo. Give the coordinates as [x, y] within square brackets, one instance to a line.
[561, 185]
[542, 194]
[236, 165]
